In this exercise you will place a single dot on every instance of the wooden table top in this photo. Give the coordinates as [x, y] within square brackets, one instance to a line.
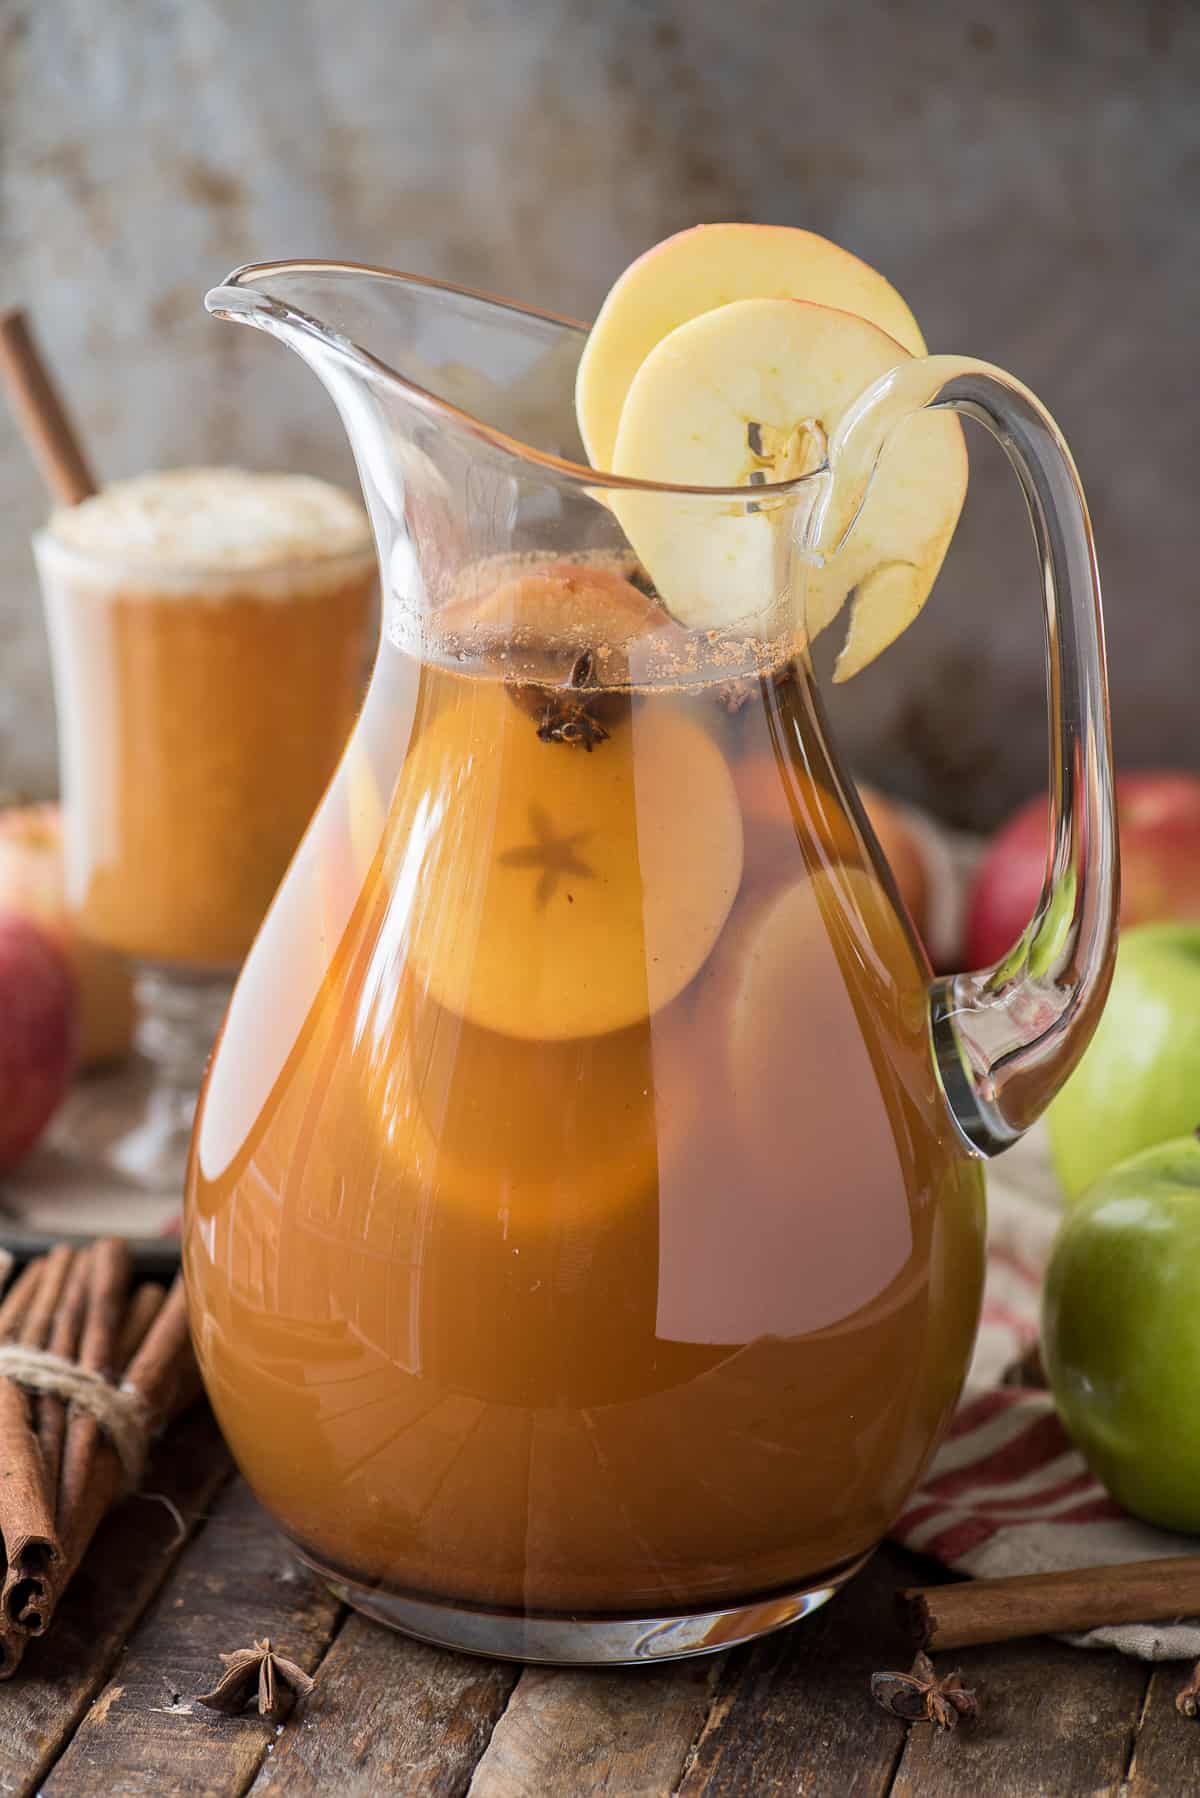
[104, 1704]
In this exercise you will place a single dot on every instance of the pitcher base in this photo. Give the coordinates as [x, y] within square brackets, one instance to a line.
[584, 1640]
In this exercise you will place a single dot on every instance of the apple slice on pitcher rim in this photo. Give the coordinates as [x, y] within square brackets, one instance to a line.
[706, 267]
[748, 395]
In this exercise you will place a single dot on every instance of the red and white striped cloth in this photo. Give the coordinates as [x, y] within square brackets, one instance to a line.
[1007, 1492]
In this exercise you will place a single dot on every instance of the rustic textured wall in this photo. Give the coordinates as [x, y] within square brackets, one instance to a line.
[1028, 175]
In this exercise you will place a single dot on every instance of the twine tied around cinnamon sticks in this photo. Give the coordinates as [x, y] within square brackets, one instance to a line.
[124, 1416]
[89, 1372]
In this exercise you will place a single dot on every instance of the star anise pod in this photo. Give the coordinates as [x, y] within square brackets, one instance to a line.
[566, 723]
[1187, 1699]
[572, 713]
[920, 1696]
[277, 1681]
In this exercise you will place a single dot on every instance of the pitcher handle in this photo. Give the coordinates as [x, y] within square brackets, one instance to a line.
[1006, 1037]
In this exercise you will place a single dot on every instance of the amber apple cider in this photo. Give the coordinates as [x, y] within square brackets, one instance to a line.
[575, 1222]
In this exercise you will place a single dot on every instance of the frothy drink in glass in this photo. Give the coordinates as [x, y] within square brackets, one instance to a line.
[208, 630]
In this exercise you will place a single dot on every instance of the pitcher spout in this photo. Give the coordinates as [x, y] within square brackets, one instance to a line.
[447, 352]
[456, 405]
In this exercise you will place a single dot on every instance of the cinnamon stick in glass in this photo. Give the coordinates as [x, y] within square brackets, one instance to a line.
[970, 1612]
[40, 412]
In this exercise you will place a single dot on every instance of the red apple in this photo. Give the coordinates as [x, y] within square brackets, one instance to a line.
[31, 884]
[1159, 817]
[39, 1020]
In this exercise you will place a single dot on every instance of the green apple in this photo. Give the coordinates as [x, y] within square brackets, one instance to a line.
[1139, 1082]
[1121, 1332]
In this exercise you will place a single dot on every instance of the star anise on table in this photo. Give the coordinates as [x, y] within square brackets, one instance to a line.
[921, 1696]
[278, 1682]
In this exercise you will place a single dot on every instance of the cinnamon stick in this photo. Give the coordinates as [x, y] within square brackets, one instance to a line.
[164, 1370]
[41, 413]
[18, 1299]
[969, 1612]
[144, 1307]
[77, 1304]
[107, 1285]
[64, 1341]
[164, 1375]
[13, 1308]
[25, 1596]
[32, 1548]
[37, 1321]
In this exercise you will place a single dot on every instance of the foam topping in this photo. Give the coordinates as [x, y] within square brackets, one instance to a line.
[221, 518]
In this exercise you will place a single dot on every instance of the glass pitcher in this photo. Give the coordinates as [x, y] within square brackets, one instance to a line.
[585, 1215]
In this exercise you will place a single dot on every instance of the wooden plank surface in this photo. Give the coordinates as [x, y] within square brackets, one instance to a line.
[628, 1732]
[145, 1733]
[1166, 1751]
[1053, 1719]
[794, 1713]
[388, 1716]
[791, 1714]
[134, 1549]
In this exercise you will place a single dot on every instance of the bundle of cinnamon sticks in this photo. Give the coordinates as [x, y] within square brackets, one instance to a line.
[61, 1466]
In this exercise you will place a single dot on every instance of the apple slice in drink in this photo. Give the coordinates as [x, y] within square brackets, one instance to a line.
[599, 883]
[816, 1224]
[749, 395]
[706, 267]
[776, 996]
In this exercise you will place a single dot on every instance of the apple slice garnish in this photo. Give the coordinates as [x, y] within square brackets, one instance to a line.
[749, 395]
[703, 268]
